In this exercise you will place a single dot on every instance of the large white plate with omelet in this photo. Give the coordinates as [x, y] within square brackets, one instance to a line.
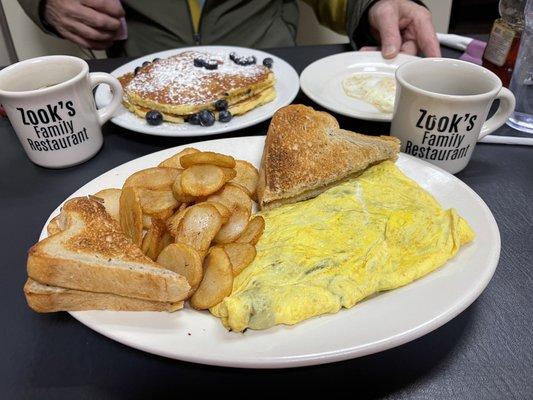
[287, 87]
[376, 324]
[351, 83]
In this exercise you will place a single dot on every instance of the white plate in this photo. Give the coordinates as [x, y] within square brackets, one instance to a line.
[377, 324]
[322, 80]
[287, 86]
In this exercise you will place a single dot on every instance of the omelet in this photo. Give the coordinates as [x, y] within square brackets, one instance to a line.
[376, 89]
[376, 232]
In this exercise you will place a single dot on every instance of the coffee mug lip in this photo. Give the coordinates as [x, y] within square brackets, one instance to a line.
[456, 97]
[59, 86]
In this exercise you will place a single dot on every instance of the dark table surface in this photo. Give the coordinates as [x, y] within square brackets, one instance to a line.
[486, 352]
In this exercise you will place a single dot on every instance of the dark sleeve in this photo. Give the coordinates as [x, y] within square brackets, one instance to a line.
[34, 9]
[358, 28]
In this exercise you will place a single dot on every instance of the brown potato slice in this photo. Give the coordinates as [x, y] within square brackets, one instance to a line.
[222, 210]
[54, 226]
[174, 221]
[202, 180]
[184, 260]
[229, 173]
[217, 281]
[240, 255]
[174, 161]
[111, 199]
[147, 221]
[235, 226]
[207, 157]
[158, 203]
[156, 239]
[253, 231]
[131, 216]
[233, 197]
[155, 178]
[199, 226]
[179, 194]
[247, 177]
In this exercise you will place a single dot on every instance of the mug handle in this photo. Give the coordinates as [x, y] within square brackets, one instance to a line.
[505, 109]
[95, 79]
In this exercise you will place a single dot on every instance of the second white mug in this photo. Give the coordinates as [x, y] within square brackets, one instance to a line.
[441, 109]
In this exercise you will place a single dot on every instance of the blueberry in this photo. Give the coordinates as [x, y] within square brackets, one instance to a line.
[194, 119]
[146, 63]
[221, 105]
[251, 60]
[207, 118]
[136, 71]
[156, 59]
[211, 64]
[154, 117]
[198, 62]
[232, 56]
[268, 62]
[224, 116]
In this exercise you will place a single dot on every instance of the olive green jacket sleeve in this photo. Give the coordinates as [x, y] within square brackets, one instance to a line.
[33, 9]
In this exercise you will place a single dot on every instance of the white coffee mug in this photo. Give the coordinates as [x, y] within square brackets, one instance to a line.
[50, 104]
[441, 109]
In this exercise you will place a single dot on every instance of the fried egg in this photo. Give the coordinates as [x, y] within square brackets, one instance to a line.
[376, 89]
[376, 232]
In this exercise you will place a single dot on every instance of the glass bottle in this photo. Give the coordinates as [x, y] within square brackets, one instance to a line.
[522, 82]
[502, 47]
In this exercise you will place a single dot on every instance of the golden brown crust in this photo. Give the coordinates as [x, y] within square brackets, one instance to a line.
[92, 254]
[44, 298]
[306, 152]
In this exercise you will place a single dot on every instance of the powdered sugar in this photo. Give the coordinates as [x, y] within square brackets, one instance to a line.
[175, 80]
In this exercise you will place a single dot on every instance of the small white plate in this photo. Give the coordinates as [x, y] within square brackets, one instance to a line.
[322, 80]
[379, 323]
[287, 86]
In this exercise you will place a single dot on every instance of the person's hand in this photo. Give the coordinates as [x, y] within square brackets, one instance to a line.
[90, 23]
[402, 26]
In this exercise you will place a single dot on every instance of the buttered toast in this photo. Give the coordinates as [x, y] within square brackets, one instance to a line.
[89, 252]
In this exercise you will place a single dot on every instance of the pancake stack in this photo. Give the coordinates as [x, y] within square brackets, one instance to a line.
[188, 83]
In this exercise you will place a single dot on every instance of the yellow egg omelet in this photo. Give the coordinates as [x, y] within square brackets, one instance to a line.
[376, 232]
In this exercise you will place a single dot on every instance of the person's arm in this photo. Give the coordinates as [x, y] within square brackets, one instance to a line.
[92, 24]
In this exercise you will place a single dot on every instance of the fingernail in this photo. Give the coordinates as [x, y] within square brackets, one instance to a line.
[389, 50]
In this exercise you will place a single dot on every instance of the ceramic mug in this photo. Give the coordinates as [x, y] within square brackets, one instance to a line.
[441, 109]
[50, 104]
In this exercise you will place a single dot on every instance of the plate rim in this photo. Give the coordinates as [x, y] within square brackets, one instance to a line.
[331, 356]
[362, 116]
[220, 131]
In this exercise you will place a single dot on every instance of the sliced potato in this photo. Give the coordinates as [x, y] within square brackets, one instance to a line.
[235, 226]
[158, 203]
[147, 221]
[156, 239]
[247, 177]
[174, 221]
[207, 157]
[222, 210]
[174, 161]
[131, 216]
[179, 193]
[111, 199]
[217, 281]
[202, 180]
[156, 178]
[184, 260]
[233, 197]
[253, 231]
[54, 226]
[199, 226]
[240, 255]
[229, 173]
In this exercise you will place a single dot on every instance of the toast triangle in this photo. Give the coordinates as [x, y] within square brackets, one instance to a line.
[90, 253]
[306, 153]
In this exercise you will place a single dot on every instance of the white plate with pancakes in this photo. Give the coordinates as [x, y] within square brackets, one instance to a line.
[286, 86]
[358, 84]
[379, 323]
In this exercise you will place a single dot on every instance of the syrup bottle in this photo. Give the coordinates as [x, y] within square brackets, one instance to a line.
[504, 41]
